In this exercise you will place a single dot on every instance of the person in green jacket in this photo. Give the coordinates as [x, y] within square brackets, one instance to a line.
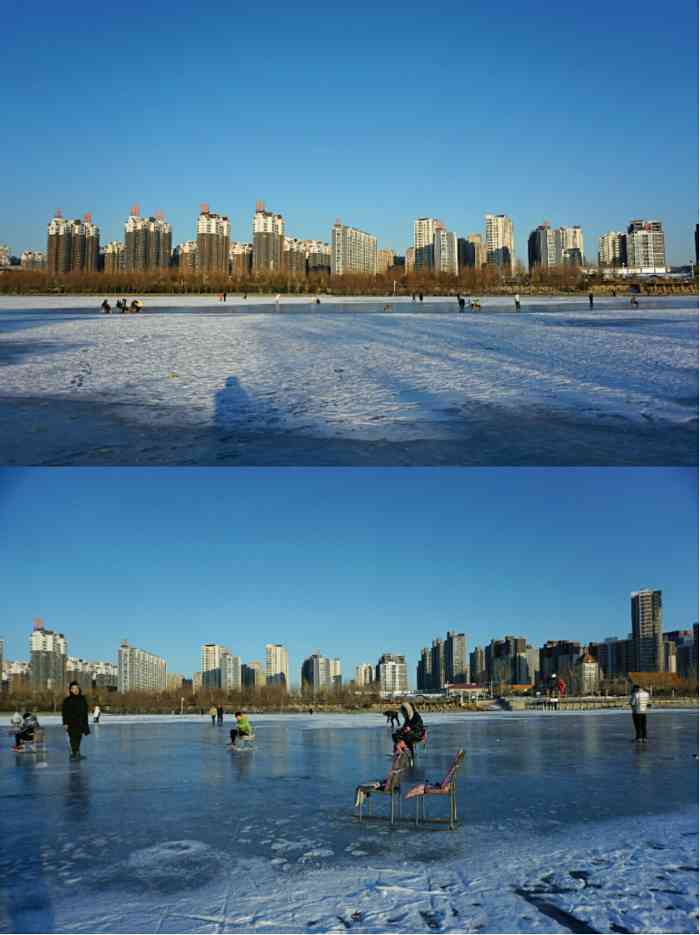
[243, 727]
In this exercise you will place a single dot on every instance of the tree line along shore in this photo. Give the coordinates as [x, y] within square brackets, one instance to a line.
[563, 281]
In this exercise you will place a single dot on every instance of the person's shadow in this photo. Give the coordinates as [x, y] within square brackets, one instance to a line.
[232, 402]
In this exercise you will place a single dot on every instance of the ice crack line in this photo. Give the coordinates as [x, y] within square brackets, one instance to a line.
[559, 915]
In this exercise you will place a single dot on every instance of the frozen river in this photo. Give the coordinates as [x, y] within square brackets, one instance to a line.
[351, 384]
[565, 826]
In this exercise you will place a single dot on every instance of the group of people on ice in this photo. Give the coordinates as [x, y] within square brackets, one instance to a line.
[122, 306]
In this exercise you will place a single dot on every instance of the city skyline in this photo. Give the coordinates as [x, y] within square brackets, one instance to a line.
[345, 150]
[348, 565]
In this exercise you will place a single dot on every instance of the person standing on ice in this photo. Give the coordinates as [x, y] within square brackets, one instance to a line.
[75, 719]
[212, 714]
[517, 302]
[639, 702]
[96, 712]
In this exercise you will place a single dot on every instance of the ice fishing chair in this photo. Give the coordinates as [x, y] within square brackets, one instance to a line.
[447, 787]
[390, 786]
[36, 745]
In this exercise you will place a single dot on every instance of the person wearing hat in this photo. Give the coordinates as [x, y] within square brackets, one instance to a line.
[75, 719]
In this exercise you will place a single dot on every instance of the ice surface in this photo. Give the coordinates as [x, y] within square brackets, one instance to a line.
[565, 826]
[351, 384]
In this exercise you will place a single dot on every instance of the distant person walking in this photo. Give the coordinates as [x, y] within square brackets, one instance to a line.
[590, 300]
[461, 302]
[420, 296]
[96, 712]
[74, 713]
[639, 702]
[212, 714]
[517, 302]
[392, 716]
[413, 297]
[220, 714]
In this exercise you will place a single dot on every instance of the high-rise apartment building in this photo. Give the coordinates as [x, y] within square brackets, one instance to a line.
[500, 245]
[456, 658]
[569, 246]
[252, 675]
[211, 655]
[445, 252]
[294, 256]
[276, 664]
[364, 675]
[73, 245]
[471, 252]
[48, 652]
[4, 256]
[318, 256]
[230, 672]
[80, 671]
[240, 256]
[352, 251]
[185, 257]
[390, 674]
[424, 672]
[319, 674]
[410, 262]
[542, 248]
[148, 242]
[32, 260]
[213, 239]
[558, 658]
[385, 260]
[612, 250]
[268, 240]
[424, 240]
[114, 257]
[646, 248]
[140, 670]
[647, 633]
[477, 665]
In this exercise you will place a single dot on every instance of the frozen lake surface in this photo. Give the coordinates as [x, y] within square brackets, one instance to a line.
[350, 384]
[565, 826]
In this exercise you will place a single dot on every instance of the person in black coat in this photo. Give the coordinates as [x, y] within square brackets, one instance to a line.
[413, 730]
[75, 719]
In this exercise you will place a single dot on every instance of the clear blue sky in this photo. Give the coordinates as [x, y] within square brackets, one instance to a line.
[352, 562]
[576, 113]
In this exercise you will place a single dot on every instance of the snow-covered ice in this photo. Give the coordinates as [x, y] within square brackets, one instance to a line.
[565, 826]
[351, 384]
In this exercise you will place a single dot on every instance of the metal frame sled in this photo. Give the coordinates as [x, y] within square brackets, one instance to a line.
[243, 742]
[390, 786]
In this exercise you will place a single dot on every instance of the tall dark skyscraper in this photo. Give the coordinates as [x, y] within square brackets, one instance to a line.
[268, 240]
[646, 609]
[148, 242]
[213, 242]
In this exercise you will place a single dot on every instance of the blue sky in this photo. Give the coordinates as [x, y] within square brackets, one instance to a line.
[575, 113]
[352, 562]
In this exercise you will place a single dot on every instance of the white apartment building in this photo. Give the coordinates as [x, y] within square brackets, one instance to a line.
[423, 241]
[445, 258]
[611, 249]
[568, 238]
[392, 678]
[410, 259]
[230, 669]
[646, 247]
[364, 675]
[140, 670]
[276, 664]
[352, 251]
[4, 255]
[500, 246]
[30, 259]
